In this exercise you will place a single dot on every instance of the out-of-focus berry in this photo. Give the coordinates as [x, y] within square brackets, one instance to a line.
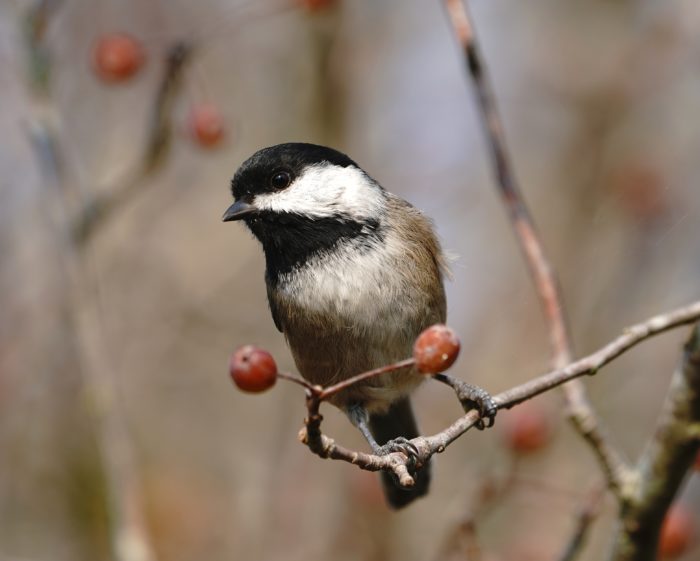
[316, 5]
[436, 349]
[676, 532]
[526, 428]
[641, 190]
[253, 369]
[206, 125]
[117, 57]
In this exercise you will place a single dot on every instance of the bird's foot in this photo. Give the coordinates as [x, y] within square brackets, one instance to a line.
[405, 447]
[472, 397]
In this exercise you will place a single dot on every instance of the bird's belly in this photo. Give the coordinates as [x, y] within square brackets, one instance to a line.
[353, 295]
[327, 356]
[336, 338]
[343, 317]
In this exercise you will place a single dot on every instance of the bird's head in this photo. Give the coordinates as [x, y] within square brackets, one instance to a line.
[299, 199]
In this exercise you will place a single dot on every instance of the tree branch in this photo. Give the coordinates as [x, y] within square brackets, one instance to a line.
[128, 533]
[397, 462]
[586, 515]
[665, 462]
[154, 154]
[579, 409]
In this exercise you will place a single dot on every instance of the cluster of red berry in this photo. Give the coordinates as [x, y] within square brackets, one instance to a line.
[118, 58]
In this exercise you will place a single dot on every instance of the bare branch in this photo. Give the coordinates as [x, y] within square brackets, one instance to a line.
[586, 515]
[36, 21]
[665, 462]
[630, 337]
[462, 540]
[129, 536]
[579, 409]
[427, 446]
[155, 152]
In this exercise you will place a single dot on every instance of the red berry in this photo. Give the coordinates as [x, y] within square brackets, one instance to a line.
[676, 532]
[527, 428]
[206, 125]
[641, 190]
[436, 349]
[117, 57]
[316, 5]
[253, 369]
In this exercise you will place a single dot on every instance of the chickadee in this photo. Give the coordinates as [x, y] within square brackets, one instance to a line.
[353, 274]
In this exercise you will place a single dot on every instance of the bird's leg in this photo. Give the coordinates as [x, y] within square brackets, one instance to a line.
[472, 397]
[360, 418]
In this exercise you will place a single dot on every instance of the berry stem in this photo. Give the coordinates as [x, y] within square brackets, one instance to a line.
[299, 381]
[334, 389]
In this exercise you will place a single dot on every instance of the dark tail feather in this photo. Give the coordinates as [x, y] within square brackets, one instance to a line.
[399, 421]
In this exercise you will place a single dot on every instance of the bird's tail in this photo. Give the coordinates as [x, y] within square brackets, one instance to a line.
[399, 421]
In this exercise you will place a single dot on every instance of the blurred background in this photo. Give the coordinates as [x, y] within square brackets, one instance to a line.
[123, 294]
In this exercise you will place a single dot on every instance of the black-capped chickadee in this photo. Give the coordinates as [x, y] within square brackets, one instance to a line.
[354, 274]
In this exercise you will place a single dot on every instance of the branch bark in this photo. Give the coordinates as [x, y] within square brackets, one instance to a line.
[665, 462]
[427, 446]
[579, 409]
[586, 515]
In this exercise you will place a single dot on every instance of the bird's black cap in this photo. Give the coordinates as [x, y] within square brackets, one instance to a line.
[256, 173]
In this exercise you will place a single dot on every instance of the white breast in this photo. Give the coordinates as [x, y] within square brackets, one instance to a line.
[352, 284]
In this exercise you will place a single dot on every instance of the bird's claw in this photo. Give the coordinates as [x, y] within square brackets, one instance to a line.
[405, 447]
[474, 397]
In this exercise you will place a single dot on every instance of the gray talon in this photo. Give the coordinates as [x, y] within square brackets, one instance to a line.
[406, 447]
[472, 397]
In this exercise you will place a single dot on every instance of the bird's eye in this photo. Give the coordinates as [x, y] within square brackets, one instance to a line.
[281, 180]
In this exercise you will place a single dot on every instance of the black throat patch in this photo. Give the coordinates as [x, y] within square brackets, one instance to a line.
[290, 240]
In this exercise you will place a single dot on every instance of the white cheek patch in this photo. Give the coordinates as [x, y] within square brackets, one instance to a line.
[326, 190]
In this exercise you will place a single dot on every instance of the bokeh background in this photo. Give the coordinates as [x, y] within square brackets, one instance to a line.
[116, 409]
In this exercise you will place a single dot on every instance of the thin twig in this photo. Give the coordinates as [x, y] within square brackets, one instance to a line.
[35, 24]
[155, 152]
[299, 381]
[586, 515]
[334, 389]
[579, 409]
[427, 446]
[462, 540]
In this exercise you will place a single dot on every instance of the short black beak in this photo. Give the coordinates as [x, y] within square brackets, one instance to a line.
[238, 210]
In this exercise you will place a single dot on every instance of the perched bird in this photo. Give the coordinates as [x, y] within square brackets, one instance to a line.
[353, 274]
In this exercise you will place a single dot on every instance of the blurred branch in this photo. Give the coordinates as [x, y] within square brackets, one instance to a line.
[427, 446]
[155, 153]
[35, 22]
[42, 126]
[128, 534]
[462, 540]
[586, 515]
[665, 461]
[579, 409]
